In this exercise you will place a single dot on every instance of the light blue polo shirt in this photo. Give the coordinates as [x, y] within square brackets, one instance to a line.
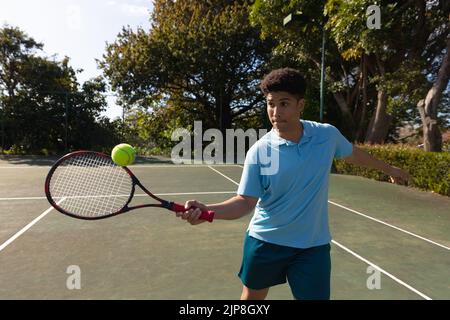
[291, 181]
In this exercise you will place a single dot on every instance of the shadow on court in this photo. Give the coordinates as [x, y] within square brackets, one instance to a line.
[27, 160]
[6, 160]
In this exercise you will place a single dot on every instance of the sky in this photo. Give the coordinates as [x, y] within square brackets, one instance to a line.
[78, 29]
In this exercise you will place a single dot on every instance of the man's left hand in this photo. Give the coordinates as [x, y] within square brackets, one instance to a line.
[399, 176]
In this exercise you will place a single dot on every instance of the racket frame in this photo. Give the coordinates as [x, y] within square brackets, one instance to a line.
[135, 181]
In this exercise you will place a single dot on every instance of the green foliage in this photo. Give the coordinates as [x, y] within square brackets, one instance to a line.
[151, 132]
[15, 150]
[203, 54]
[398, 57]
[429, 170]
[39, 96]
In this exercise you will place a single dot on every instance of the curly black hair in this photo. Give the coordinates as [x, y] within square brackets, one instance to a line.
[285, 79]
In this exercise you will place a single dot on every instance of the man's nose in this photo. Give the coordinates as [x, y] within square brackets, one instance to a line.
[276, 112]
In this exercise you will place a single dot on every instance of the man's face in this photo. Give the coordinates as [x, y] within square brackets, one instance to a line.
[283, 110]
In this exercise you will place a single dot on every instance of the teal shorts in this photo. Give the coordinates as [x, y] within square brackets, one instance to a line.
[306, 270]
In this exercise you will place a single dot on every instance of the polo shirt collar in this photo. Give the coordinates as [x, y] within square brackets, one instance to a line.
[276, 140]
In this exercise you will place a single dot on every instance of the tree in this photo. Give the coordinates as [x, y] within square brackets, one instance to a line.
[412, 34]
[43, 107]
[15, 47]
[203, 55]
[428, 107]
[300, 45]
[369, 71]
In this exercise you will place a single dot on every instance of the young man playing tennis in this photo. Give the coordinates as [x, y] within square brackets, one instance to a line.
[288, 237]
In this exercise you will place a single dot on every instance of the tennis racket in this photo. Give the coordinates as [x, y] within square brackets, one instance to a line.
[89, 185]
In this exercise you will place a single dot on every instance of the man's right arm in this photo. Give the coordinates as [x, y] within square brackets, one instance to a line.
[233, 208]
[237, 206]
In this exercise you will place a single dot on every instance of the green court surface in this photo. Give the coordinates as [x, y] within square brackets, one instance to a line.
[389, 241]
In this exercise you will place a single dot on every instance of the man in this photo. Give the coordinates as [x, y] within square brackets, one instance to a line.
[288, 237]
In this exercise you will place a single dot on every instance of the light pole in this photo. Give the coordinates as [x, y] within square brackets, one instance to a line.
[299, 16]
[3, 128]
[322, 75]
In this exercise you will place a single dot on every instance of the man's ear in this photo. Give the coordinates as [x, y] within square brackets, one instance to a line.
[301, 104]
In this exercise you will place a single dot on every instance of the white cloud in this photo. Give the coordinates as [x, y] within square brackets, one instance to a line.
[134, 10]
[73, 18]
[142, 1]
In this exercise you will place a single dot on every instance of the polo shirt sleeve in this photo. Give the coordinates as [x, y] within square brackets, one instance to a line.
[343, 147]
[251, 184]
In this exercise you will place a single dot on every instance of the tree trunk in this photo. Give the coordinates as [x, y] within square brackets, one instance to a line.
[428, 108]
[432, 137]
[380, 121]
[348, 124]
[223, 111]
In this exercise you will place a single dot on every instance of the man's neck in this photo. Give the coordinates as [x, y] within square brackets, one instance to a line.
[293, 135]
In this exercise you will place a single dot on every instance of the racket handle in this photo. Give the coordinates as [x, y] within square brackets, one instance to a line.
[207, 215]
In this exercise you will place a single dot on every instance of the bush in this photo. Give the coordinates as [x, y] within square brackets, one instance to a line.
[15, 150]
[429, 170]
[155, 151]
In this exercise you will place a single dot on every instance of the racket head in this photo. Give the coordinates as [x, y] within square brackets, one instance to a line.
[89, 185]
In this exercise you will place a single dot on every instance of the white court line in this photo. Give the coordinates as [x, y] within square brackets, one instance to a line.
[139, 166]
[223, 175]
[20, 167]
[124, 195]
[28, 226]
[24, 198]
[390, 225]
[382, 270]
[361, 258]
[189, 193]
[181, 165]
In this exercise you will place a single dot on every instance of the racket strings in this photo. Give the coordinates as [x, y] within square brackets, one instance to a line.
[67, 187]
[106, 201]
[92, 185]
[99, 200]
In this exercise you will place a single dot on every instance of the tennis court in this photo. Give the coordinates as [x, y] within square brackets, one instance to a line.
[149, 254]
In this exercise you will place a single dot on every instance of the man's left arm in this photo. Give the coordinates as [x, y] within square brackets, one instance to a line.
[360, 157]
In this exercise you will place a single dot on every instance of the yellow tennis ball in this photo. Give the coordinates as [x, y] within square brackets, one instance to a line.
[123, 154]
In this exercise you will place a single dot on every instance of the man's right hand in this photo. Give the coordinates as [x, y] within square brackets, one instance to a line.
[193, 212]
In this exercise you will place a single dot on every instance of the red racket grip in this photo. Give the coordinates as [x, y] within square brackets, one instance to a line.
[207, 215]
